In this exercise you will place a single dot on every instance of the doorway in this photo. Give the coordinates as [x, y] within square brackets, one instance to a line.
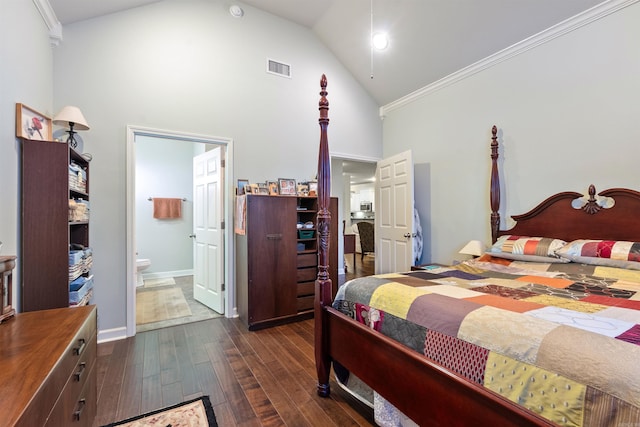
[352, 180]
[160, 165]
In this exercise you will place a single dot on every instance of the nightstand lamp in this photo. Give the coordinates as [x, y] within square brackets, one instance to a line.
[474, 247]
[72, 118]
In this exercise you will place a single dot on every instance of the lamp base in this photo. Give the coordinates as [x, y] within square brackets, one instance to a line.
[71, 140]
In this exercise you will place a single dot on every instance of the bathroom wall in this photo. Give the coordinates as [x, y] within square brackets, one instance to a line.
[164, 169]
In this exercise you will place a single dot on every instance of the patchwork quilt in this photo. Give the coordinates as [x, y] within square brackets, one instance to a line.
[562, 340]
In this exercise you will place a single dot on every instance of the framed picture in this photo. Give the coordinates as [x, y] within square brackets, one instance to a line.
[303, 189]
[287, 187]
[313, 188]
[263, 188]
[31, 124]
[273, 188]
[242, 183]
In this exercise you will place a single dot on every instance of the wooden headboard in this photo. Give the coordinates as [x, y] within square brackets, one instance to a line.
[593, 218]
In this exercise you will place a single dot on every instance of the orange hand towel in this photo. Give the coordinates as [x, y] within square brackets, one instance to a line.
[167, 208]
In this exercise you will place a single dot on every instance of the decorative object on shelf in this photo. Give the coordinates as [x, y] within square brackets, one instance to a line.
[273, 188]
[313, 188]
[303, 189]
[31, 124]
[287, 187]
[72, 118]
[474, 247]
[242, 183]
[7, 264]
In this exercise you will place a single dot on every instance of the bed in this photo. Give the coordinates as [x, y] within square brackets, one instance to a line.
[543, 330]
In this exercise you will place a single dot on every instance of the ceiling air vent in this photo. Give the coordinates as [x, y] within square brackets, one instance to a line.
[278, 68]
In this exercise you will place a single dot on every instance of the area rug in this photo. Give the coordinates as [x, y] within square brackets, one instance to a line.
[194, 413]
[154, 305]
[164, 281]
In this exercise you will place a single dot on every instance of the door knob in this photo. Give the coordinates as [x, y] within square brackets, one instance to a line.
[409, 235]
[193, 236]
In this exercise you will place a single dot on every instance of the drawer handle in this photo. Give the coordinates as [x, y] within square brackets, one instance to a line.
[274, 236]
[81, 404]
[78, 350]
[81, 368]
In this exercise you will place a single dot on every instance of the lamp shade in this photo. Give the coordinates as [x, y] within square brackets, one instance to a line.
[71, 114]
[474, 247]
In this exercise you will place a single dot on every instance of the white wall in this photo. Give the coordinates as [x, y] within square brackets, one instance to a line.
[164, 168]
[26, 63]
[567, 111]
[189, 66]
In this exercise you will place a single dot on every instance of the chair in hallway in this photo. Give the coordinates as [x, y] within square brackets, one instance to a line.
[365, 230]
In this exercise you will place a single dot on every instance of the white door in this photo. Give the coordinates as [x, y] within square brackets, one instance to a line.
[208, 232]
[394, 214]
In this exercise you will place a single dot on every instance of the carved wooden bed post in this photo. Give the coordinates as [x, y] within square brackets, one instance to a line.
[323, 286]
[495, 186]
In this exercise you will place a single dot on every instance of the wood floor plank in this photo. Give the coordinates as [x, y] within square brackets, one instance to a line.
[132, 382]
[151, 393]
[209, 384]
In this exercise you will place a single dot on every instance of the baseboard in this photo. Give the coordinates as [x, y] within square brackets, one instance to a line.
[167, 274]
[114, 334]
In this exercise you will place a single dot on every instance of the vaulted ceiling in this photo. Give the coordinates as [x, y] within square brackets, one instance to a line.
[429, 39]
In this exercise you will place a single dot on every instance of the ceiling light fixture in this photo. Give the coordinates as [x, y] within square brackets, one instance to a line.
[236, 11]
[380, 41]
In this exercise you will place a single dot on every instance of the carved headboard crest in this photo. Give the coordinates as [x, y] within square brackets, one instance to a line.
[594, 204]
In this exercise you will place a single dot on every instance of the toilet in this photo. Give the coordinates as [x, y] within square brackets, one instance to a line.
[141, 265]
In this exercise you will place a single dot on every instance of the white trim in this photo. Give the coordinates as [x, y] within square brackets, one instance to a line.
[590, 15]
[231, 309]
[112, 335]
[354, 157]
[50, 20]
[167, 274]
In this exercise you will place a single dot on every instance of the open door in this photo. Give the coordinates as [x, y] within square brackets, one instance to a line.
[208, 230]
[394, 214]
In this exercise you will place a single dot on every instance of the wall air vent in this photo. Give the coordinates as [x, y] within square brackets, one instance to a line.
[278, 68]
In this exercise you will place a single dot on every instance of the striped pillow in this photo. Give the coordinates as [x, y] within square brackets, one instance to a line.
[524, 248]
[611, 253]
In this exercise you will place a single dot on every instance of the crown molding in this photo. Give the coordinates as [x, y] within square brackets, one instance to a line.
[51, 21]
[590, 15]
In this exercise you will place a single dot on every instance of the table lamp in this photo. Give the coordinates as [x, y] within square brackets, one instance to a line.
[72, 118]
[474, 247]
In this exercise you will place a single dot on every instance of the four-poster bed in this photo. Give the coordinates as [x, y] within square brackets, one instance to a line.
[430, 385]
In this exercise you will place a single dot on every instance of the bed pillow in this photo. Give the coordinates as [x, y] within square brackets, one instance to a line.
[610, 253]
[524, 248]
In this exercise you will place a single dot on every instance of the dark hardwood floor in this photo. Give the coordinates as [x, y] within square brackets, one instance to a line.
[261, 378]
[363, 267]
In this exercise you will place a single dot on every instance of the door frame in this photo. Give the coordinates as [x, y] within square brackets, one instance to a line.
[229, 249]
[339, 193]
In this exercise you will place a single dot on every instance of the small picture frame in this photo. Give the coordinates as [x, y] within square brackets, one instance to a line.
[287, 186]
[273, 188]
[303, 189]
[313, 188]
[242, 184]
[31, 124]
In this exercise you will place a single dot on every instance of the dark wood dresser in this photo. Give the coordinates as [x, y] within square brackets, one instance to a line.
[48, 368]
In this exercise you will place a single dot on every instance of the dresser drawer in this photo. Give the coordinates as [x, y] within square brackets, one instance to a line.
[77, 405]
[307, 260]
[305, 303]
[73, 398]
[305, 288]
[307, 274]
